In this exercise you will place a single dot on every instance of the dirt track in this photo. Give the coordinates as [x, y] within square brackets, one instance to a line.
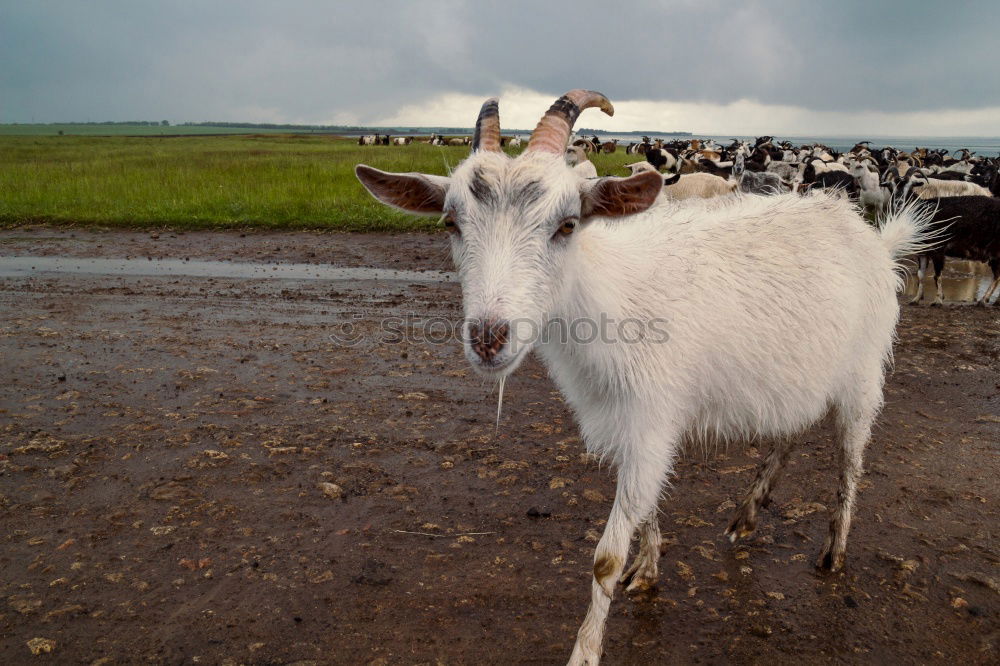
[164, 442]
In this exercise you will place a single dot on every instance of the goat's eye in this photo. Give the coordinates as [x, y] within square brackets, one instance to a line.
[449, 223]
[567, 226]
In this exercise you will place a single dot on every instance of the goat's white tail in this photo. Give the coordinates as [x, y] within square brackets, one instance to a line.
[909, 229]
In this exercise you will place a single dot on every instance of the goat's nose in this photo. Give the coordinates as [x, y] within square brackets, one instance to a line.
[488, 337]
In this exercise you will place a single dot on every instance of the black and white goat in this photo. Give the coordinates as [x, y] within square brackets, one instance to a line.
[970, 229]
[917, 184]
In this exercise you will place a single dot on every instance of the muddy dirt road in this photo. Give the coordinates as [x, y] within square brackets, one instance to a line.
[193, 471]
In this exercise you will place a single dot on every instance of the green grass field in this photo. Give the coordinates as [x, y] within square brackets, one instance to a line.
[262, 181]
[83, 129]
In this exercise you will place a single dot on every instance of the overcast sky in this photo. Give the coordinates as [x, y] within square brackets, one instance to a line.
[796, 67]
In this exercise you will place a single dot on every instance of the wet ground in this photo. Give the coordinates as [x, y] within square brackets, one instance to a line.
[193, 471]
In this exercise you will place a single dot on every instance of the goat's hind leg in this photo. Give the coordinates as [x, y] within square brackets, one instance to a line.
[644, 571]
[853, 429]
[921, 272]
[995, 267]
[938, 261]
[759, 495]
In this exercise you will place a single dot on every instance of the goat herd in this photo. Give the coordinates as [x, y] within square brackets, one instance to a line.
[963, 185]
[434, 140]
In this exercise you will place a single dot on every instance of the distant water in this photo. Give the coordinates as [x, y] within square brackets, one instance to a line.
[985, 146]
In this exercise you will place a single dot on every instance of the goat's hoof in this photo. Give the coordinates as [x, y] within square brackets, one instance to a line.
[640, 584]
[830, 561]
[584, 656]
[937, 304]
[640, 577]
[741, 527]
[915, 301]
[642, 580]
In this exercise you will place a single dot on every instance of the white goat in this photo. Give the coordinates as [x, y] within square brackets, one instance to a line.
[699, 186]
[639, 167]
[705, 355]
[934, 188]
[576, 157]
[585, 169]
[821, 166]
[871, 194]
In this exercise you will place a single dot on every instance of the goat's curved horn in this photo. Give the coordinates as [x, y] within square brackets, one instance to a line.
[487, 135]
[553, 130]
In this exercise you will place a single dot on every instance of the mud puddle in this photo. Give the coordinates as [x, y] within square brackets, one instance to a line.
[961, 282]
[21, 266]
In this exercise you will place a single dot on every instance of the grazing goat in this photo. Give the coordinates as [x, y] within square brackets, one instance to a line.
[639, 167]
[585, 170]
[790, 172]
[816, 167]
[708, 355]
[835, 180]
[661, 158]
[698, 186]
[946, 174]
[932, 188]
[576, 157]
[970, 229]
[761, 182]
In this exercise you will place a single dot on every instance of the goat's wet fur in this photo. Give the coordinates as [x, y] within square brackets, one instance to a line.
[777, 311]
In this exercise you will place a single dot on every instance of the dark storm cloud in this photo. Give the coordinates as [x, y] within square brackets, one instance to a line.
[323, 61]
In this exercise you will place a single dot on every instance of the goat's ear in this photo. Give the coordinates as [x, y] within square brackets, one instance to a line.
[413, 192]
[615, 197]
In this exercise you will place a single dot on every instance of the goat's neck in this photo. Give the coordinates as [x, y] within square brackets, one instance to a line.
[593, 280]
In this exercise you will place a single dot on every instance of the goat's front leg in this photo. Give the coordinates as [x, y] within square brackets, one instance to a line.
[639, 484]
